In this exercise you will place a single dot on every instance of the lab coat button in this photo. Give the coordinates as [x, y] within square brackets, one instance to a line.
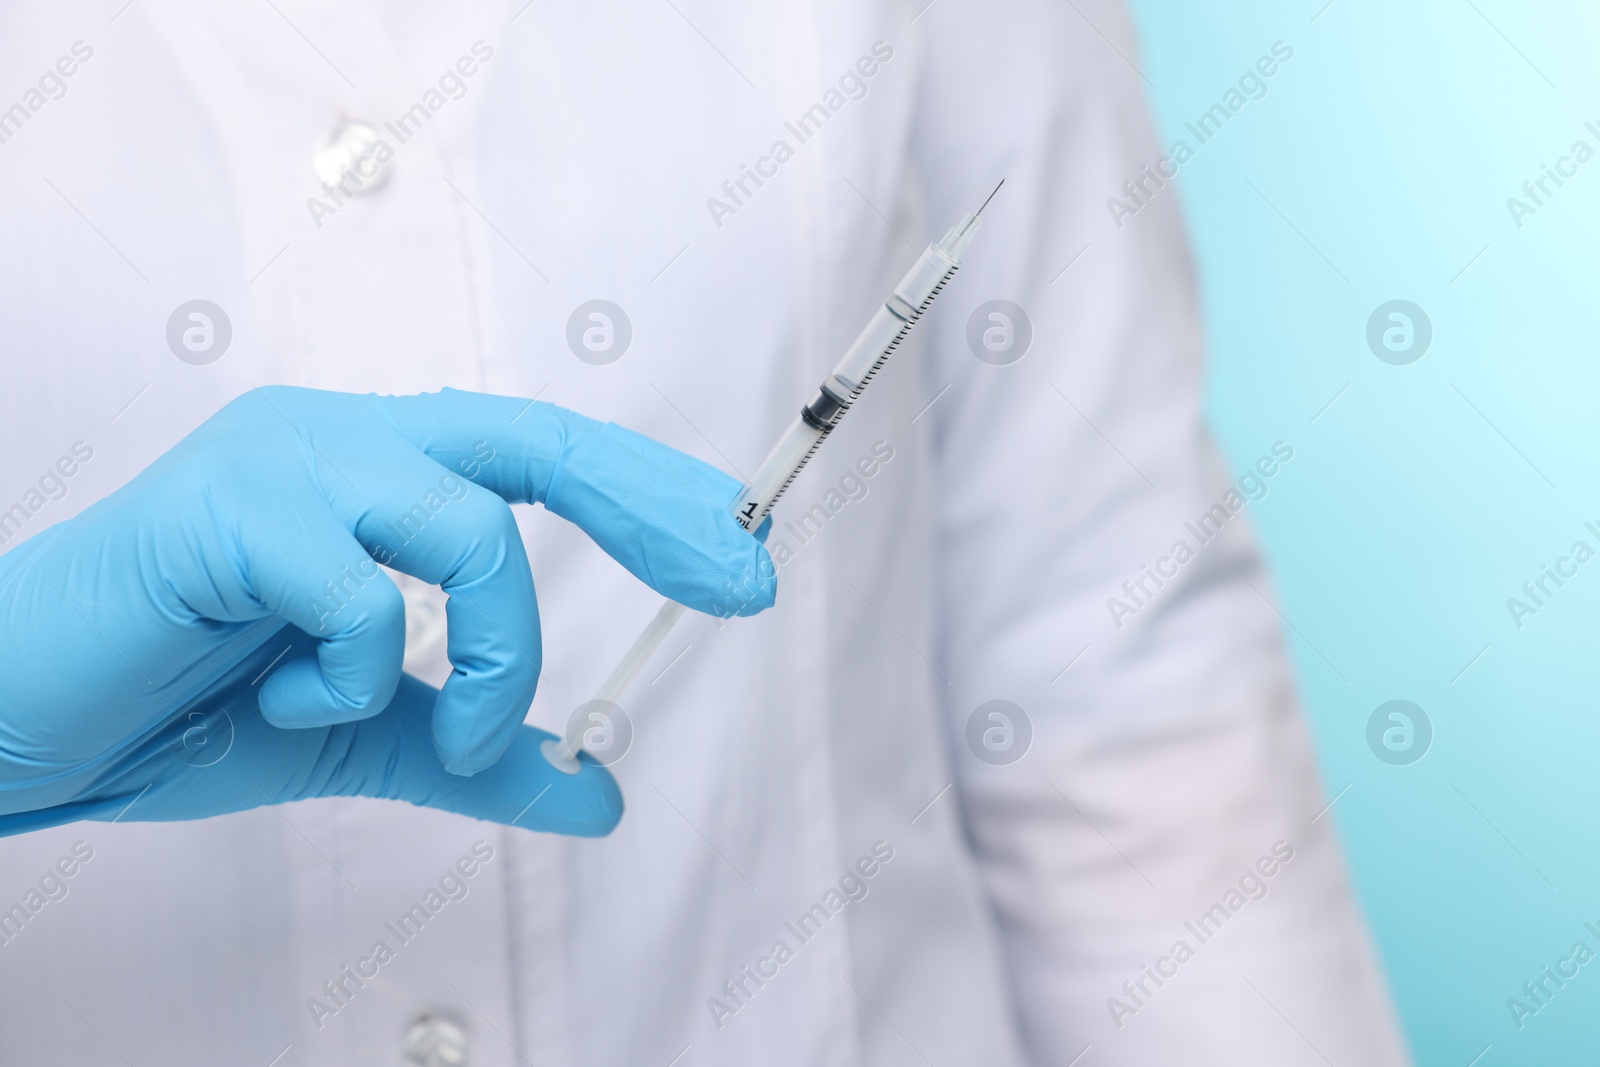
[352, 158]
[435, 1042]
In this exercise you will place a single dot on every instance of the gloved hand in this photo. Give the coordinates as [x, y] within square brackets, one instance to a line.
[146, 671]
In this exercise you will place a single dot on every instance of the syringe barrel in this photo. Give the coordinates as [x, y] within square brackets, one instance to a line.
[775, 472]
[889, 325]
[882, 333]
[872, 348]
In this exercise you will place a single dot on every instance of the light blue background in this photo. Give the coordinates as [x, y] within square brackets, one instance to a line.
[1391, 142]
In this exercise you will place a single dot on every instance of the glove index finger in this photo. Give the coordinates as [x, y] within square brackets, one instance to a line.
[506, 444]
[668, 529]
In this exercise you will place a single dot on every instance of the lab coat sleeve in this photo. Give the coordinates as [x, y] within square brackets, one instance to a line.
[1168, 755]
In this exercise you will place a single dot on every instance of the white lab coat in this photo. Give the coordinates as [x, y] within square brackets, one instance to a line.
[774, 753]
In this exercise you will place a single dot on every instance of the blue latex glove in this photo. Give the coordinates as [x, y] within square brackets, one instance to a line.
[148, 673]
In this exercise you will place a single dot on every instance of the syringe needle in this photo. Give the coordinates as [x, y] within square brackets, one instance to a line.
[989, 197]
[972, 220]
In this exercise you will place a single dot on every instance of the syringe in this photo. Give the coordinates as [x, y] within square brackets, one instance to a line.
[884, 333]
